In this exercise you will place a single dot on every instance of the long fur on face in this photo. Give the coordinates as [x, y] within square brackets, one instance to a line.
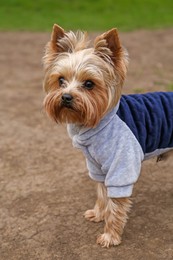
[68, 56]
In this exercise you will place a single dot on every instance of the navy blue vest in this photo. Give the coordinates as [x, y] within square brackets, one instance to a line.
[150, 118]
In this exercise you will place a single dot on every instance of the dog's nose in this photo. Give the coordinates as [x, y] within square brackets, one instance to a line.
[67, 99]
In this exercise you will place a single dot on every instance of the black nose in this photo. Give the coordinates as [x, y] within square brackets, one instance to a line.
[67, 99]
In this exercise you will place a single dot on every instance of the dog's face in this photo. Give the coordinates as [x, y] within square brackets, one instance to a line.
[82, 83]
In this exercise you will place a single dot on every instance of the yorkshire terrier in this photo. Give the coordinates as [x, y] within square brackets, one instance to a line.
[116, 132]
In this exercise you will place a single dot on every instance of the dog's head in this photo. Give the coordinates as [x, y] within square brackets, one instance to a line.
[83, 83]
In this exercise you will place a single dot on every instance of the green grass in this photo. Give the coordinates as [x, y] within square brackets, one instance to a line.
[40, 15]
[170, 87]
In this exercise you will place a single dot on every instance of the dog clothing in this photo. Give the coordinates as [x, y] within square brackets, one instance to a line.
[138, 128]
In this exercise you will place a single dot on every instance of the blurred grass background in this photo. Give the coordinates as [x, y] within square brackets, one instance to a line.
[127, 15]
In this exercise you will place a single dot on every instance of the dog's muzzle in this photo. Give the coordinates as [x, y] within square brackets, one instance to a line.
[67, 100]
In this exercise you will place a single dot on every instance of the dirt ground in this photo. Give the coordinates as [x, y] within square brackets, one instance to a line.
[44, 186]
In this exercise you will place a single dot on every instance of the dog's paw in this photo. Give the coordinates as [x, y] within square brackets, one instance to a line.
[107, 240]
[92, 215]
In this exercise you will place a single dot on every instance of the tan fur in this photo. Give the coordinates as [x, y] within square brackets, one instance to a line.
[68, 56]
[164, 156]
[114, 212]
[98, 213]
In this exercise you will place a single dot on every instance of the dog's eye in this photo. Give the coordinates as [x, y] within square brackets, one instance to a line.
[61, 81]
[88, 84]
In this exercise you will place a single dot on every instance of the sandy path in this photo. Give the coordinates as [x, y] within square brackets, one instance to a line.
[44, 187]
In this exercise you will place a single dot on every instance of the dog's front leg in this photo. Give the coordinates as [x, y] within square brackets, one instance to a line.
[115, 220]
[97, 214]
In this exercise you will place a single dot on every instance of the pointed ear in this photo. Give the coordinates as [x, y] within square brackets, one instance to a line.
[108, 47]
[108, 43]
[53, 48]
[57, 33]
[112, 39]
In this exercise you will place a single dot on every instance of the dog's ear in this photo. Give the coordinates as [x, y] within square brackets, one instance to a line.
[57, 34]
[108, 47]
[53, 48]
[109, 44]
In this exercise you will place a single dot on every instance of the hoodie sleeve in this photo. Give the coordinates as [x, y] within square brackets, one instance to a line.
[120, 155]
[95, 171]
[123, 170]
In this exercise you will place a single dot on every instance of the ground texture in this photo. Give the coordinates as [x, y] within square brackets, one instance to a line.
[44, 187]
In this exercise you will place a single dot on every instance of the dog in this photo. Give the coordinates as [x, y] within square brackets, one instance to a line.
[83, 85]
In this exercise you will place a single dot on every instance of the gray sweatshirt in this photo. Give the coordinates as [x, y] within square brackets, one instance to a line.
[115, 149]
